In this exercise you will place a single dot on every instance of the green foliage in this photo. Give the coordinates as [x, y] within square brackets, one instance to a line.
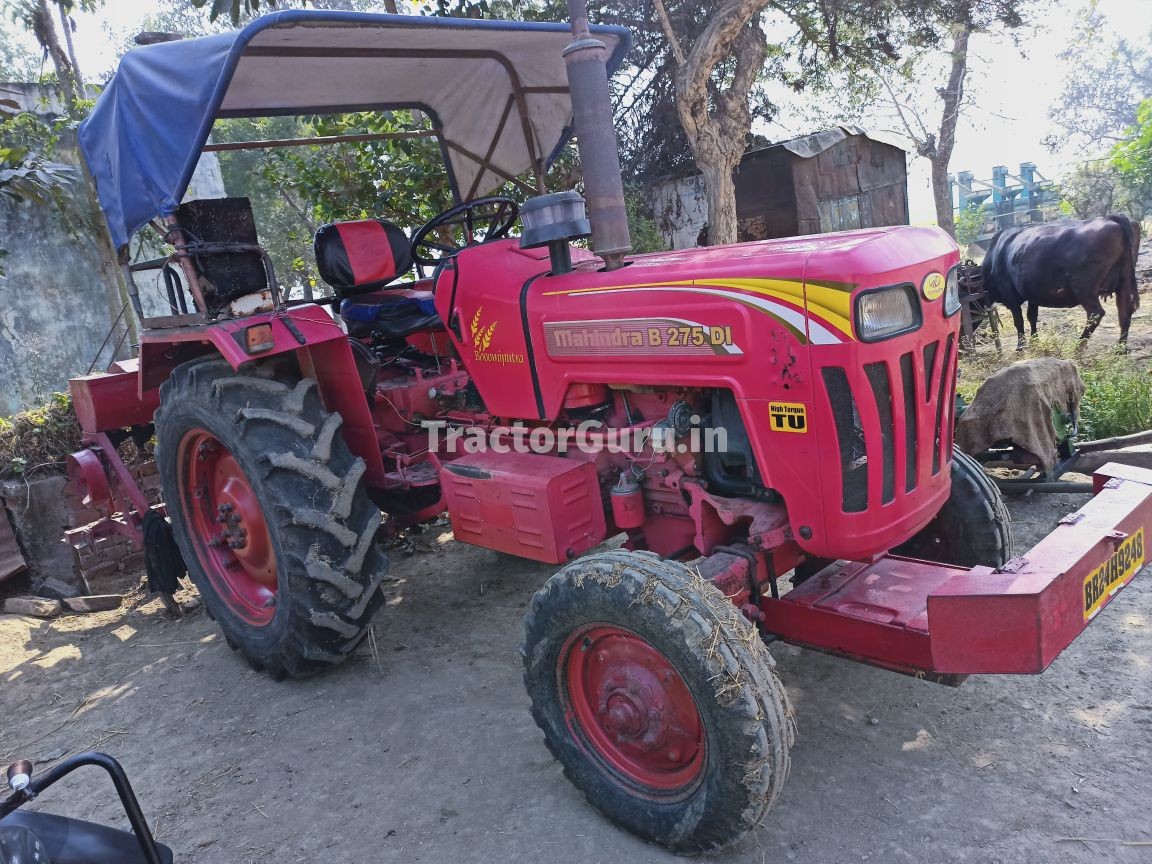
[36, 441]
[26, 171]
[1132, 157]
[1117, 398]
[646, 236]
[969, 224]
[234, 9]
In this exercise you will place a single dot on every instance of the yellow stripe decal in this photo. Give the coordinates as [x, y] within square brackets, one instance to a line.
[831, 305]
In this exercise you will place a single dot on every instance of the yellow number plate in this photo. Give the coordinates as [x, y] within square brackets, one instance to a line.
[1113, 574]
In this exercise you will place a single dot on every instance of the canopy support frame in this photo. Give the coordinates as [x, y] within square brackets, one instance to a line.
[518, 90]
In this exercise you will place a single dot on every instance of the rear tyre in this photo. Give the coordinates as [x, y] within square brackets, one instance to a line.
[658, 698]
[269, 511]
[972, 528]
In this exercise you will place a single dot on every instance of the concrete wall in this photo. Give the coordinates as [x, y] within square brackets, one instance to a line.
[61, 293]
[680, 210]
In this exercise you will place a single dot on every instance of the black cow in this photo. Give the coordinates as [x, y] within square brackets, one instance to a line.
[1065, 264]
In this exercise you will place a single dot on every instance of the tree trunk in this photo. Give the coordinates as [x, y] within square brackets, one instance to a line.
[45, 31]
[717, 121]
[66, 26]
[953, 95]
[720, 196]
[942, 196]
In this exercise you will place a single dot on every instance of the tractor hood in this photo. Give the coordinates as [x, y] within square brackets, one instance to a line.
[496, 91]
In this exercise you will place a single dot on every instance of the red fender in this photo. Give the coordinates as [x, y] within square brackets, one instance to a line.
[307, 332]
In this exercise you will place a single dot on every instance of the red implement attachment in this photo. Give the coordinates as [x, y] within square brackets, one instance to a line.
[111, 400]
[918, 617]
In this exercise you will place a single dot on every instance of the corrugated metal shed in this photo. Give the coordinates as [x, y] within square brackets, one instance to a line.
[832, 180]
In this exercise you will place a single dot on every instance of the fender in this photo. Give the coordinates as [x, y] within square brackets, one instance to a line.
[305, 332]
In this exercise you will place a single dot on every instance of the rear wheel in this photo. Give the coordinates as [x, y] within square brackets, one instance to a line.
[268, 509]
[972, 528]
[659, 699]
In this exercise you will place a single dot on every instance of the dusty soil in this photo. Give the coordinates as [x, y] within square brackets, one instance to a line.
[423, 750]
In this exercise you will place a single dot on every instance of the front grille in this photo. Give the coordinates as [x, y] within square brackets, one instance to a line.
[882, 417]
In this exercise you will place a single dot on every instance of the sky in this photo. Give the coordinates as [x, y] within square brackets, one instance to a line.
[1013, 86]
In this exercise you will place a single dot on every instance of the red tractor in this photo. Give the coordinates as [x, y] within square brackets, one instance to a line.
[789, 473]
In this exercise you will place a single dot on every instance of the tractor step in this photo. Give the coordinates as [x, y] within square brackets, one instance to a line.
[939, 620]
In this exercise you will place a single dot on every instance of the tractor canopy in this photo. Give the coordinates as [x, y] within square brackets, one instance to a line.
[496, 93]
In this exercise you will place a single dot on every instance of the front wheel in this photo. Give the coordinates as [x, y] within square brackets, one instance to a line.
[659, 699]
[268, 509]
[972, 528]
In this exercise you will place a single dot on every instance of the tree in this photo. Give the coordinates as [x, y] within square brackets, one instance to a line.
[937, 43]
[713, 108]
[1107, 77]
[36, 17]
[936, 146]
[718, 59]
[26, 174]
[1095, 188]
[1132, 156]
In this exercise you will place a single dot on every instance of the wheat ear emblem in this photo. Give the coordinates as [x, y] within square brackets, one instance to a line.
[486, 337]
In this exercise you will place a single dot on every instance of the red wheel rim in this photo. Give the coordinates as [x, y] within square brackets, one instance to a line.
[227, 525]
[632, 709]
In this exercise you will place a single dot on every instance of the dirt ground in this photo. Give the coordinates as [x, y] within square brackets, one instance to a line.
[423, 750]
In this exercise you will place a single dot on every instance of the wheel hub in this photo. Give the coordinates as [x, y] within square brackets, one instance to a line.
[228, 527]
[631, 706]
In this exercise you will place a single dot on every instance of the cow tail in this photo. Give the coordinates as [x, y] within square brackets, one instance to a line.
[1132, 237]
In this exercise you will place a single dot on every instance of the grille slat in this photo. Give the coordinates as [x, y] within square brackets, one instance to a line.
[849, 438]
[910, 441]
[877, 374]
[942, 392]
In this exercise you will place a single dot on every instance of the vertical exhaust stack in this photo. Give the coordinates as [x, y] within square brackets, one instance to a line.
[596, 139]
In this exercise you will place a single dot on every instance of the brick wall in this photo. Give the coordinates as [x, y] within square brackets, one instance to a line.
[105, 563]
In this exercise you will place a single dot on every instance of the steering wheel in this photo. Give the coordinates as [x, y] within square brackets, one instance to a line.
[491, 218]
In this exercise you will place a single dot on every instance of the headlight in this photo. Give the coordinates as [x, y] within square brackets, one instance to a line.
[952, 293]
[887, 312]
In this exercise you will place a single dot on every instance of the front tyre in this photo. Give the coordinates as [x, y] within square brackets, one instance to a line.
[268, 510]
[659, 699]
[973, 527]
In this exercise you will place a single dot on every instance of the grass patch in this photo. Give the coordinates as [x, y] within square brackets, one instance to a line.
[1118, 389]
[35, 442]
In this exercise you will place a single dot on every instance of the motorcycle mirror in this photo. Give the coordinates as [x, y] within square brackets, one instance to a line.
[19, 775]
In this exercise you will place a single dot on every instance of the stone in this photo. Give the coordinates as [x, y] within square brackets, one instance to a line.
[104, 568]
[37, 607]
[37, 512]
[56, 589]
[133, 562]
[94, 602]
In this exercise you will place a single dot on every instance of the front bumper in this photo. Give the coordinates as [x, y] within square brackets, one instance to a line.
[935, 619]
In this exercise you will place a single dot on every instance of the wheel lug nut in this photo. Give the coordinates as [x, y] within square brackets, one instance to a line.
[602, 656]
[673, 755]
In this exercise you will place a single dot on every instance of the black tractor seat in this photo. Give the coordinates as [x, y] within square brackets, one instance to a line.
[364, 257]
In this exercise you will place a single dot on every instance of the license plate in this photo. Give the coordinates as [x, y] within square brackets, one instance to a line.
[1114, 573]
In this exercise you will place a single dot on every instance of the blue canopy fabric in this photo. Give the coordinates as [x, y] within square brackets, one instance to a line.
[495, 90]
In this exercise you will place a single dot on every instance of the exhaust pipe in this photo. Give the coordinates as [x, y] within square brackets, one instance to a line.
[585, 59]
